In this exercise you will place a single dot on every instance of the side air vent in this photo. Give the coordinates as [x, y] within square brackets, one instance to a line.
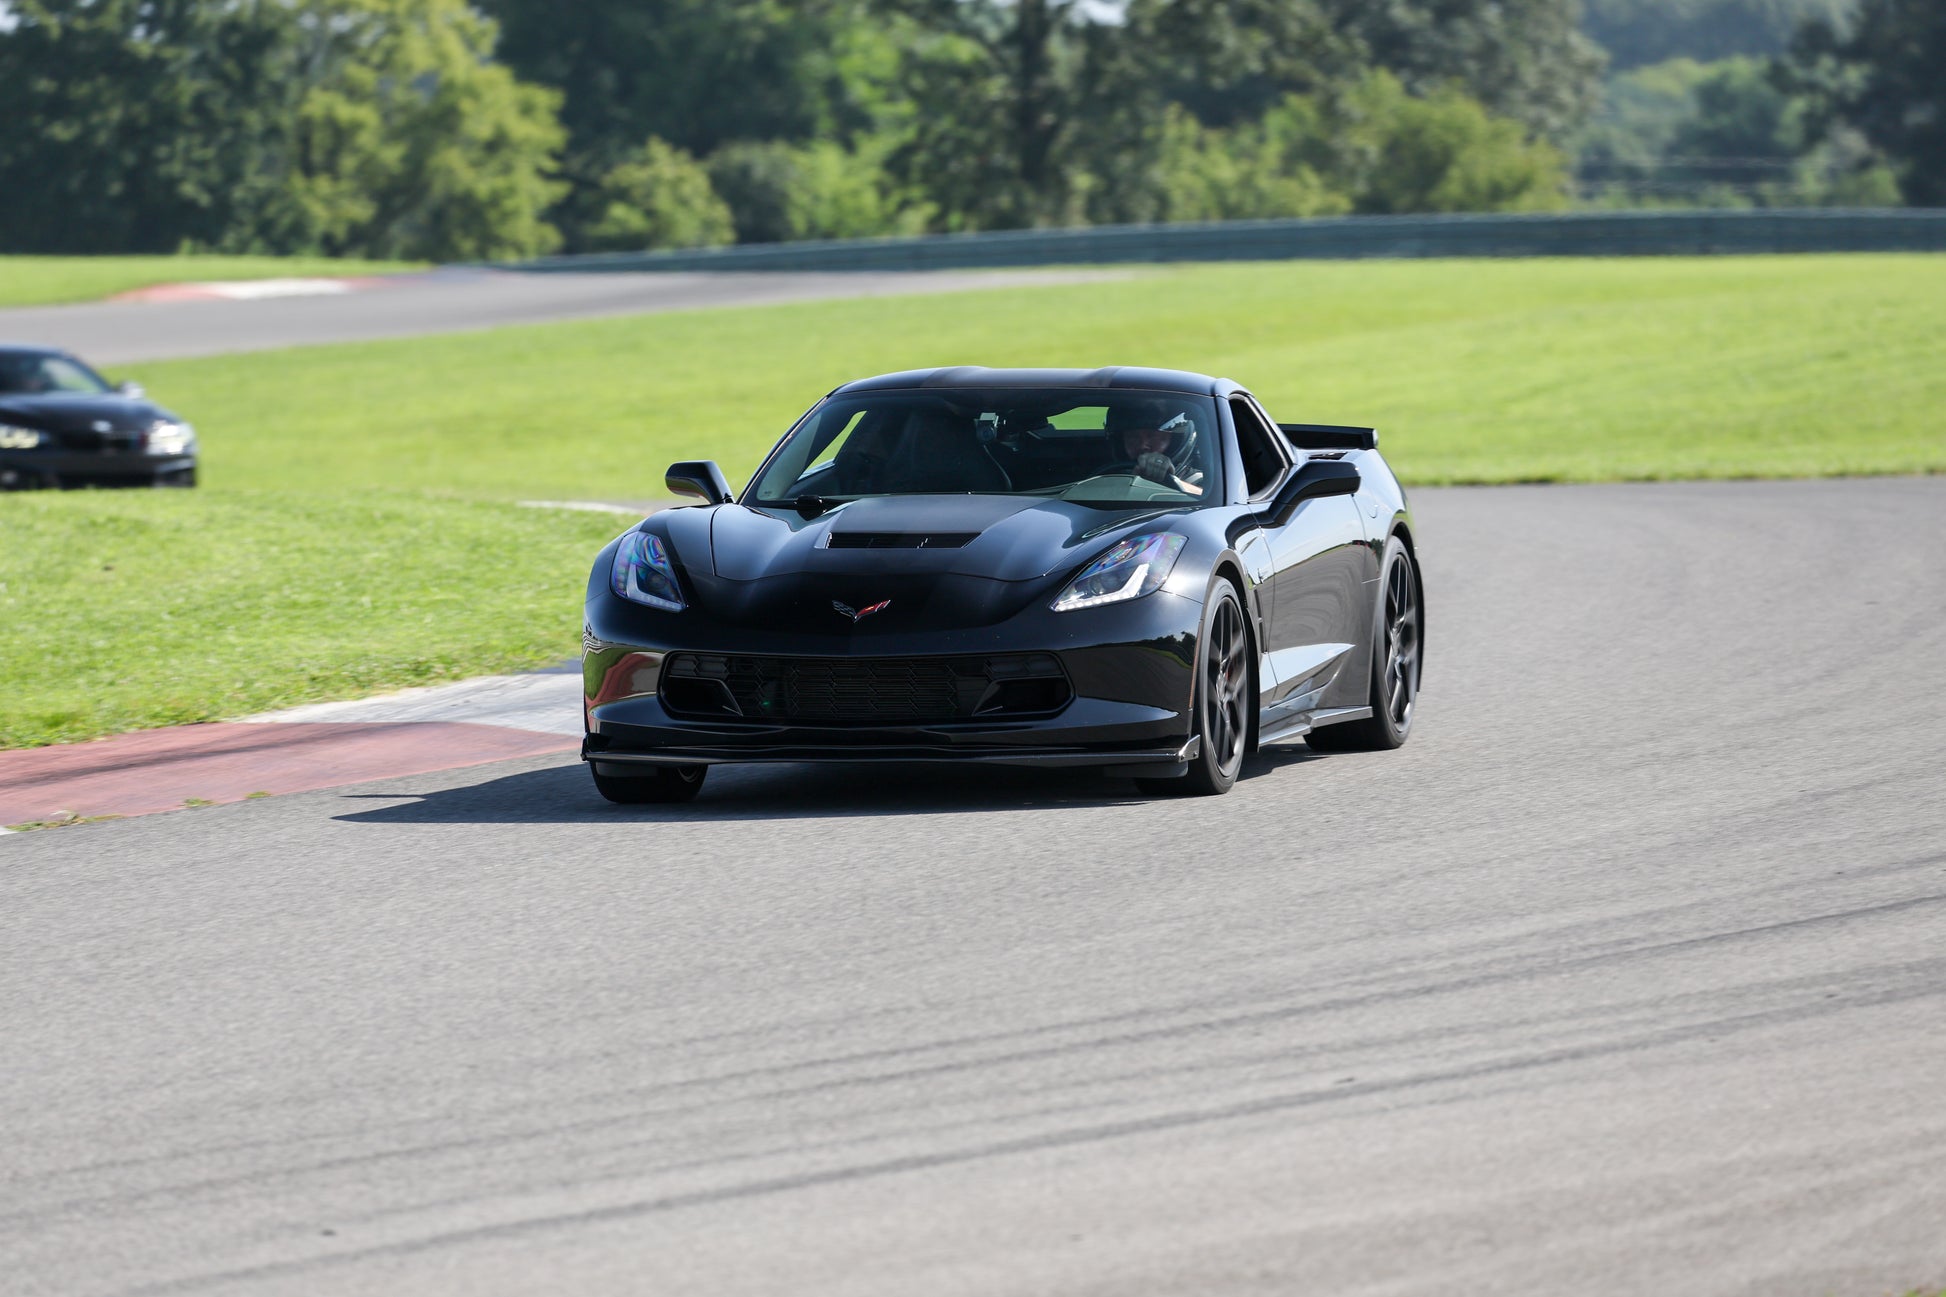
[898, 539]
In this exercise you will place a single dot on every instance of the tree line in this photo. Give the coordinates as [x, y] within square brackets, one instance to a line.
[443, 130]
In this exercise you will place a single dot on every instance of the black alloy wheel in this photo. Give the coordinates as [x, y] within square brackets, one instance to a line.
[657, 784]
[1224, 700]
[1396, 640]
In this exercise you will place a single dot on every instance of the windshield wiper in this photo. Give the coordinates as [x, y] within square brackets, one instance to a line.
[810, 506]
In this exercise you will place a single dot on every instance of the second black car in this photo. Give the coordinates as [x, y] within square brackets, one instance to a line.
[64, 425]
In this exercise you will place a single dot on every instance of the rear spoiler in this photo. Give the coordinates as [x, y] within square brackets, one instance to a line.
[1329, 436]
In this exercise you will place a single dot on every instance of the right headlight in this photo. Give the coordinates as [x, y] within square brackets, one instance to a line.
[1133, 568]
[166, 438]
[12, 438]
[642, 573]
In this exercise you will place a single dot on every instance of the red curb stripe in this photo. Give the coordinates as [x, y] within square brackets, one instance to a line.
[159, 770]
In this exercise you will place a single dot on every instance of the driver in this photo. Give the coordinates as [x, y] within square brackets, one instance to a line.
[1153, 441]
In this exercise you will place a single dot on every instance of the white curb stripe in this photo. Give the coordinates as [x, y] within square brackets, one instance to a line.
[589, 506]
[547, 702]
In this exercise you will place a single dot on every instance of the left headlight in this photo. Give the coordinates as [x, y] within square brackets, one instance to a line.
[166, 438]
[1133, 568]
[12, 438]
[642, 573]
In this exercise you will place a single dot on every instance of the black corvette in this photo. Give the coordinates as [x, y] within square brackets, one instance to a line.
[1127, 568]
[62, 424]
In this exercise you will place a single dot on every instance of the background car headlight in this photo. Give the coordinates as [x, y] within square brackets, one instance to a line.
[165, 438]
[643, 573]
[12, 438]
[1135, 567]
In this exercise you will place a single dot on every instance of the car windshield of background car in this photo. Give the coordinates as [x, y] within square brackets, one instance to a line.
[31, 374]
[1119, 449]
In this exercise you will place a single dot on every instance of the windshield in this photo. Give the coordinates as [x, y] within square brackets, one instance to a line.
[27, 372]
[1084, 445]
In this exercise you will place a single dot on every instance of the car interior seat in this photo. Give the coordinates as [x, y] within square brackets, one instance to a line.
[941, 451]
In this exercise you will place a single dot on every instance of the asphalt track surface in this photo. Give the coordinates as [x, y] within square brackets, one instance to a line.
[1626, 975]
[450, 301]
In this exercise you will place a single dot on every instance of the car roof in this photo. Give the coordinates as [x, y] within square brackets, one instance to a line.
[1113, 377]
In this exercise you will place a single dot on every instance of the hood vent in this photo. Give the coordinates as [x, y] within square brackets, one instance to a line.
[898, 539]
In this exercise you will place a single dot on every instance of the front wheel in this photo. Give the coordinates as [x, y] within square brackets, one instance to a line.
[1396, 639]
[660, 784]
[1223, 701]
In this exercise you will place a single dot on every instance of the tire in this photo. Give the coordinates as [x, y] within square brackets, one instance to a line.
[663, 784]
[1223, 701]
[1398, 634]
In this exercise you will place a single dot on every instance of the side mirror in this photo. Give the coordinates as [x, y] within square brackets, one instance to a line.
[1315, 479]
[700, 478]
[133, 391]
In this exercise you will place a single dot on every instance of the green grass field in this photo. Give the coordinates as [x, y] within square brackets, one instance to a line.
[354, 532]
[1476, 371]
[39, 281]
[130, 609]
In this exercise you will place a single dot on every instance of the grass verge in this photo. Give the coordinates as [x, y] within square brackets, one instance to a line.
[1477, 371]
[127, 610]
[41, 281]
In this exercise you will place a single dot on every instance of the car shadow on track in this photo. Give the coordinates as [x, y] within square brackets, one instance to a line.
[563, 794]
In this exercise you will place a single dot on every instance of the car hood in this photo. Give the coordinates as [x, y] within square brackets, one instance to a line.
[79, 412]
[929, 562]
[998, 537]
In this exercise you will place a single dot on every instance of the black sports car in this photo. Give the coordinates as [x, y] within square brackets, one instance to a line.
[1125, 568]
[62, 424]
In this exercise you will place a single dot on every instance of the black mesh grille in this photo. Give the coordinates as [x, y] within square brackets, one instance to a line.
[863, 691]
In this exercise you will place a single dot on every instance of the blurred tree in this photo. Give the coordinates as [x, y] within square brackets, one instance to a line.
[1047, 112]
[696, 73]
[996, 91]
[1442, 152]
[1885, 76]
[410, 143]
[137, 126]
[1720, 134]
[1253, 170]
[369, 127]
[1635, 33]
[1226, 61]
[1741, 127]
[1371, 148]
[1523, 59]
[659, 197]
[780, 191]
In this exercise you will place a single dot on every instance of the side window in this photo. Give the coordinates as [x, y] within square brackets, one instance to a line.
[1263, 459]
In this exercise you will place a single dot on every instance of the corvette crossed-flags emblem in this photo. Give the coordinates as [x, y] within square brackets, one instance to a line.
[861, 613]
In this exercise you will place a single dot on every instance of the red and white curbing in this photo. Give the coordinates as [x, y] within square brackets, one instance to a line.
[302, 749]
[250, 290]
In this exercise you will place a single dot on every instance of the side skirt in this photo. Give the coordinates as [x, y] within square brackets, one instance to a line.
[1298, 726]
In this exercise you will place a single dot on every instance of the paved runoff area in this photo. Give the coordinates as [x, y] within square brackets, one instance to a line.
[193, 320]
[1626, 975]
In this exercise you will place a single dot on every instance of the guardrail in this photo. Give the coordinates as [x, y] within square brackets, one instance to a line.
[1546, 234]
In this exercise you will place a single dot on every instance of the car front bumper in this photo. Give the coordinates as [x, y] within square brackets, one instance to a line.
[29, 469]
[1128, 666]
